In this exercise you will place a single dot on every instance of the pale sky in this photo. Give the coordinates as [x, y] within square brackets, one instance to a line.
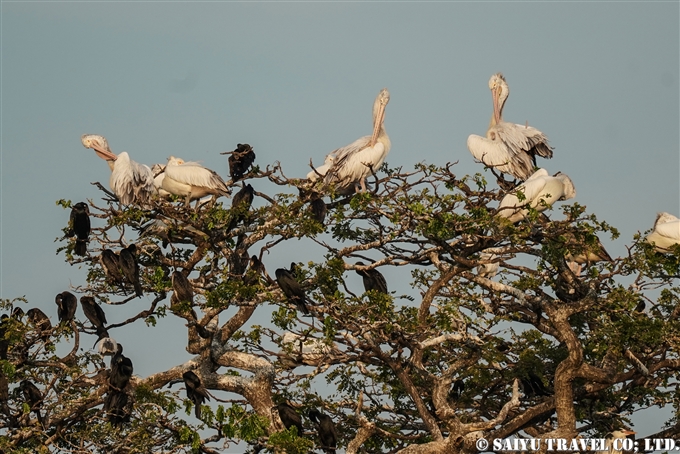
[297, 80]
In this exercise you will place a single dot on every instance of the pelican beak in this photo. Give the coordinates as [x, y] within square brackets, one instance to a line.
[495, 94]
[377, 125]
[628, 432]
[104, 153]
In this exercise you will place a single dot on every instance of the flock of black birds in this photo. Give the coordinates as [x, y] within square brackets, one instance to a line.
[328, 434]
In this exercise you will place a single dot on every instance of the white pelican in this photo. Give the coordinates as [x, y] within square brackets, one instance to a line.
[351, 164]
[158, 171]
[508, 147]
[191, 180]
[540, 192]
[666, 232]
[130, 181]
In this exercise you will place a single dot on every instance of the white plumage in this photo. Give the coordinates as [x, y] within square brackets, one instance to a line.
[130, 181]
[107, 346]
[540, 192]
[349, 166]
[191, 180]
[158, 171]
[614, 440]
[666, 232]
[508, 147]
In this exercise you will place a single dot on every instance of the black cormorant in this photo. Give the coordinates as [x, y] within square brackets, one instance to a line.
[291, 289]
[196, 392]
[33, 397]
[289, 417]
[67, 304]
[326, 429]
[79, 226]
[130, 267]
[240, 160]
[373, 279]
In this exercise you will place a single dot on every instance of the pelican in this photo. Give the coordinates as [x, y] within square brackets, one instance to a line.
[540, 192]
[508, 147]
[666, 232]
[158, 172]
[349, 165]
[130, 181]
[191, 180]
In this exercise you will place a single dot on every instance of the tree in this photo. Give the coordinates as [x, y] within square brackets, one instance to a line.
[536, 348]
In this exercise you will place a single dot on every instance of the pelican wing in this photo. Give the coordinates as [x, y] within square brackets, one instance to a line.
[194, 174]
[351, 162]
[525, 138]
[131, 181]
[497, 154]
[670, 230]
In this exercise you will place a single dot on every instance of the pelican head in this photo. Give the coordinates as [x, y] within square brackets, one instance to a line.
[569, 189]
[99, 145]
[663, 217]
[173, 161]
[379, 113]
[499, 93]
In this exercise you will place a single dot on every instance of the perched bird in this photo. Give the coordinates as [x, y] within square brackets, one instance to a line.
[182, 289]
[192, 181]
[255, 271]
[110, 262]
[196, 392]
[589, 253]
[291, 289]
[325, 427]
[666, 232]
[322, 170]
[613, 441]
[508, 147]
[489, 269]
[158, 172]
[130, 267]
[240, 205]
[349, 166]
[95, 314]
[18, 313]
[79, 226]
[33, 397]
[67, 303]
[289, 417]
[540, 192]
[457, 389]
[130, 181]
[319, 209]
[114, 406]
[373, 279]
[239, 161]
[41, 322]
[107, 346]
[121, 370]
[533, 386]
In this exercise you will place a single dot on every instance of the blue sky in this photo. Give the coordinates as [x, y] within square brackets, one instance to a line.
[297, 80]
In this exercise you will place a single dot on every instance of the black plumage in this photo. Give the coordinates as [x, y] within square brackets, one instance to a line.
[291, 289]
[33, 397]
[289, 417]
[121, 370]
[130, 267]
[111, 264]
[239, 161]
[114, 406]
[67, 303]
[41, 322]
[182, 288]
[18, 313]
[319, 209]
[240, 205]
[457, 389]
[373, 279]
[95, 314]
[79, 226]
[196, 392]
[533, 386]
[325, 427]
